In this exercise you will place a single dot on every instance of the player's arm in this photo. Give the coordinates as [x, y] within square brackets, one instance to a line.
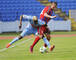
[27, 17]
[20, 21]
[41, 22]
[45, 14]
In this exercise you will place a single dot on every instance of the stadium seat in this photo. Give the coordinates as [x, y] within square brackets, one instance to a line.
[15, 8]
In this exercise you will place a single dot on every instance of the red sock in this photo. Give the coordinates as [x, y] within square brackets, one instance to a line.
[35, 41]
[45, 45]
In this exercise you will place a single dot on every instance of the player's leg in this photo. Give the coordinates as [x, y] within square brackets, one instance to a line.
[24, 33]
[14, 40]
[34, 43]
[51, 47]
[37, 38]
[45, 32]
[48, 38]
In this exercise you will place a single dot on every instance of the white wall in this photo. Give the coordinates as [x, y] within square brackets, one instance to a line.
[53, 25]
[0, 27]
[11, 26]
[59, 25]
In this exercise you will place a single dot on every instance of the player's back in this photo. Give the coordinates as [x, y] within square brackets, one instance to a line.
[32, 23]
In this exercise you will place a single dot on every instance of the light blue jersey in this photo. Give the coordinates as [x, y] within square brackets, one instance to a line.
[30, 20]
[31, 27]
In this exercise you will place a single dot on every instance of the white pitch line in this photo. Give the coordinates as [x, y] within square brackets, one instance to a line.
[4, 49]
[20, 43]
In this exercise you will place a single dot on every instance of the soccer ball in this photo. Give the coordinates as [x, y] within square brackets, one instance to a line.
[42, 49]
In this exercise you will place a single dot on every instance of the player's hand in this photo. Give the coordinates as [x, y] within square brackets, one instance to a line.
[20, 26]
[54, 16]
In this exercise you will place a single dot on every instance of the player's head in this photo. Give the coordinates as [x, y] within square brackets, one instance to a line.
[35, 19]
[53, 5]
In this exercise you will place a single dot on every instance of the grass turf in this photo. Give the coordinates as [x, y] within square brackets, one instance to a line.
[65, 50]
[53, 33]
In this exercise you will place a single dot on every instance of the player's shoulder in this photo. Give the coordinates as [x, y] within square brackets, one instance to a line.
[40, 21]
[47, 7]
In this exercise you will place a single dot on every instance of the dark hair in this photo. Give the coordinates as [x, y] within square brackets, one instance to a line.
[54, 3]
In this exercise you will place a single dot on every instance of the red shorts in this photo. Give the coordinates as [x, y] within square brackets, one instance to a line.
[42, 30]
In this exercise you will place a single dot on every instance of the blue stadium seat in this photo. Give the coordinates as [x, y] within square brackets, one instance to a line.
[10, 10]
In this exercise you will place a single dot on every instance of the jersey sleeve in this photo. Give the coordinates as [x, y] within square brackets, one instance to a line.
[46, 9]
[41, 22]
[27, 17]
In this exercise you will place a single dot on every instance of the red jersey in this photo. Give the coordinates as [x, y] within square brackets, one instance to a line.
[47, 10]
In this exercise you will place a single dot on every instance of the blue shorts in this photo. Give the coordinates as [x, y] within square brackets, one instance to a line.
[28, 31]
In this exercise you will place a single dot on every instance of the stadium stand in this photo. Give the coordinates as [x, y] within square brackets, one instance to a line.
[11, 10]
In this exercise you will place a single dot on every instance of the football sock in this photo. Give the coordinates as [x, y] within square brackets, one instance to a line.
[46, 42]
[35, 41]
[45, 45]
[14, 40]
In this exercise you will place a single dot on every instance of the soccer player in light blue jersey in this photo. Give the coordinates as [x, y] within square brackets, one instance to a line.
[32, 27]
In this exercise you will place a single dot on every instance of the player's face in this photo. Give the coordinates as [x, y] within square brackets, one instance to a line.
[35, 19]
[53, 6]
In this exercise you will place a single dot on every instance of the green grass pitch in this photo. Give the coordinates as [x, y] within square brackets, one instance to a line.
[65, 49]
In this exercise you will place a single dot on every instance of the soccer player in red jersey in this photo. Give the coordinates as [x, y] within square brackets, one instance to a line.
[45, 16]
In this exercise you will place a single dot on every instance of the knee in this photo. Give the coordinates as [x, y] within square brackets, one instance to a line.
[41, 36]
[48, 37]
[20, 37]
